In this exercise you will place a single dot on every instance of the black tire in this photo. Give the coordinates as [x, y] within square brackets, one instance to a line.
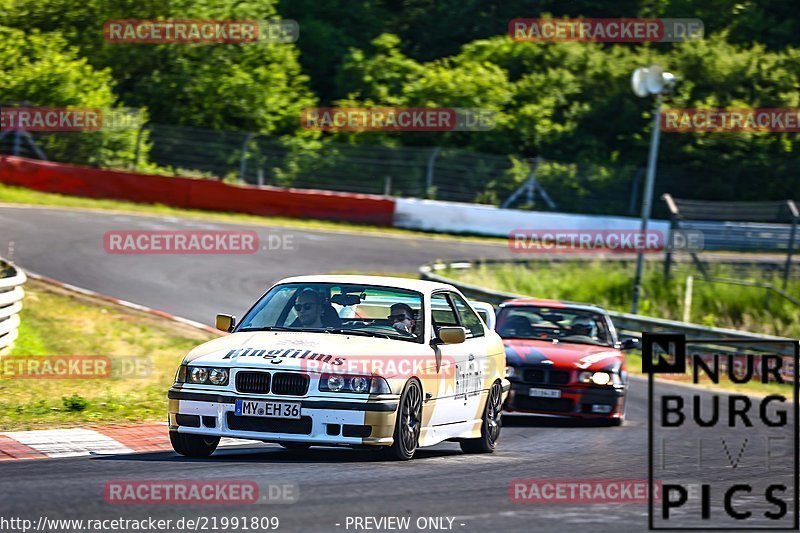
[295, 445]
[408, 424]
[193, 445]
[492, 423]
[616, 422]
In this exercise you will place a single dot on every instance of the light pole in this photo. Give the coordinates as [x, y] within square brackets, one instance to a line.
[646, 82]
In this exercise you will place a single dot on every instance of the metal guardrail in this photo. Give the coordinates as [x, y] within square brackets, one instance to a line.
[11, 295]
[627, 324]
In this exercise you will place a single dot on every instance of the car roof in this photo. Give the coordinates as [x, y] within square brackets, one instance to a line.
[419, 285]
[555, 304]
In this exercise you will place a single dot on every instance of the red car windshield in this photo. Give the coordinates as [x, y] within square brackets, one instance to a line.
[576, 326]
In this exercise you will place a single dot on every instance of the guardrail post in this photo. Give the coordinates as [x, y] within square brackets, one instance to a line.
[429, 174]
[137, 151]
[687, 299]
[792, 237]
[243, 162]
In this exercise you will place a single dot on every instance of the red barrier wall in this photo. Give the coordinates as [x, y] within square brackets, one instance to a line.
[195, 193]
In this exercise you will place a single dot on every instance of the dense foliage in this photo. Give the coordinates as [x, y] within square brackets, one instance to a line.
[565, 102]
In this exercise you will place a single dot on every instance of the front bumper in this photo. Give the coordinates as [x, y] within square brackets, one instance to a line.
[583, 402]
[323, 420]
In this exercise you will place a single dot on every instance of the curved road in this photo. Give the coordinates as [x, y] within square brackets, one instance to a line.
[67, 245]
[334, 484]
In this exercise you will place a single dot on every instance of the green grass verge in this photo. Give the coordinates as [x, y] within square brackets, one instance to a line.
[21, 195]
[55, 322]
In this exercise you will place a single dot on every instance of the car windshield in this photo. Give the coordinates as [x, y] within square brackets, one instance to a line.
[335, 308]
[576, 326]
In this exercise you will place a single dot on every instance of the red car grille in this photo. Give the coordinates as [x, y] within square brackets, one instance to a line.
[553, 405]
[540, 376]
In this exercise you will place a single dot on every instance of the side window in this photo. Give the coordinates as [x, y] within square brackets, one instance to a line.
[468, 317]
[442, 312]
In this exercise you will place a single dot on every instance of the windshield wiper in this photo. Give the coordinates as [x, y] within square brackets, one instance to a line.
[271, 328]
[566, 340]
[360, 332]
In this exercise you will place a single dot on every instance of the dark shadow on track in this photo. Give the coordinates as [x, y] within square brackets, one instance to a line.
[279, 455]
[533, 421]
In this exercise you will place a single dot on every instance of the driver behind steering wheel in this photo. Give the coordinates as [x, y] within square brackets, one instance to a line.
[402, 318]
[583, 326]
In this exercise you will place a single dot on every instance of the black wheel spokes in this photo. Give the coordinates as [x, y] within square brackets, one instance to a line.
[493, 414]
[411, 419]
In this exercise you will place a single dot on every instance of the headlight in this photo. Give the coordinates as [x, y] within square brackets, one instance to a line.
[597, 378]
[218, 376]
[512, 372]
[206, 375]
[198, 374]
[335, 383]
[357, 384]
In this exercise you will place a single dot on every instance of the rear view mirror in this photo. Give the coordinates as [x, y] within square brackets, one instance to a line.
[226, 322]
[629, 344]
[345, 299]
[452, 335]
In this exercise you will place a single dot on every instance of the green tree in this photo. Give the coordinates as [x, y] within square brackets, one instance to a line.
[250, 86]
[44, 70]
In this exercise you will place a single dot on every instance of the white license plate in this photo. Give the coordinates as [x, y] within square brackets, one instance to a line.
[268, 409]
[545, 393]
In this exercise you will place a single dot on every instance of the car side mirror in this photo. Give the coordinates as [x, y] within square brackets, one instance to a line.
[452, 335]
[226, 322]
[629, 344]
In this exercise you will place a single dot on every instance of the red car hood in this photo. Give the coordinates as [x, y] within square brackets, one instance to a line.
[522, 352]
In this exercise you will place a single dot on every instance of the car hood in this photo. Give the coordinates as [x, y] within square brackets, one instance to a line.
[304, 351]
[523, 352]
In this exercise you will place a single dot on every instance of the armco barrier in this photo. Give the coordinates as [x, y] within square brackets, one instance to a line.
[629, 325]
[11, 294]
[454, 217]
[195, 193]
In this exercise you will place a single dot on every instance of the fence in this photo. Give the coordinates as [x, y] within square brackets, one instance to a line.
[429, 172]
[11, 294]
[416, 166]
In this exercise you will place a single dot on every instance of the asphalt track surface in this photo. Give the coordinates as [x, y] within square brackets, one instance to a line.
[335, 484]
[67, 245]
